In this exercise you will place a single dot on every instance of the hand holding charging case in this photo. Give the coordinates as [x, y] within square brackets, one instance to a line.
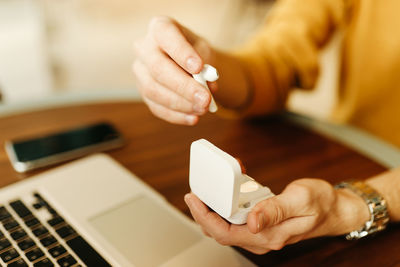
[216, 178]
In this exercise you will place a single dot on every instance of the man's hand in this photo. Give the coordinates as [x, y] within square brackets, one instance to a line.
[166, 59]
[306, 208]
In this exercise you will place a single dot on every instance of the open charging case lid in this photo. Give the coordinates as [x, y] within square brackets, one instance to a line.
[215, 177]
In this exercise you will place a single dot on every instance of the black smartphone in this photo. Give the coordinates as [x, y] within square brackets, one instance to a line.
[41, 151]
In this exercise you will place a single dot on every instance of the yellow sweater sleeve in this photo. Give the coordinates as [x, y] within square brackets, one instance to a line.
[284, 52]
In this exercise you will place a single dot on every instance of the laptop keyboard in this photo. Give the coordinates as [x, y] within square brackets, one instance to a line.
[28, 240]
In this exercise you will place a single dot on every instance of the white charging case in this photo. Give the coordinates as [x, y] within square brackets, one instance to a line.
[216, 178]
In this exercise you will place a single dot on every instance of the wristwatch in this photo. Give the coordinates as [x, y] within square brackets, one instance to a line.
[376, 206]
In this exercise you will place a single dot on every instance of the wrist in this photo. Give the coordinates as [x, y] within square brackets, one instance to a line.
[351, 212]
[233, 86]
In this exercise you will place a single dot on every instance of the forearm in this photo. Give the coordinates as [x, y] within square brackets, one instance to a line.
[283, 54]
[236, 86]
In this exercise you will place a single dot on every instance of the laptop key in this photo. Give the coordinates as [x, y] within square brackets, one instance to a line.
[43, 263]
[34, 254]
[40, 198]
[32, 222]
[38, 205]
[4, 214]
[26, 244]
[55, 221]
[43, 203]
[66, 261]
[4, 243]
[57, 251]
[86, 253]
[65, 231]
[10, 224]
[52, 211]
[18, 263]
[41, 230]
[9, 255]
[20, 208]
[48, 240]
[18, 234]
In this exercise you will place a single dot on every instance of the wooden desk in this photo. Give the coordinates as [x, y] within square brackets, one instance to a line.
[274, 151]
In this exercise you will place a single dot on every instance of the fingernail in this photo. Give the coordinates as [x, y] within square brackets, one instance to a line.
[201, 98]
[192, 65]
[260, 222]
[198, 109]
[190, 119]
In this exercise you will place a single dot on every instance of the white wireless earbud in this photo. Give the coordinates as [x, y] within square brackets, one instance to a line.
[208, 73]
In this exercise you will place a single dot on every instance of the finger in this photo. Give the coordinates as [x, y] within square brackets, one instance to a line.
[201, 213]
[205, 232]
[223, 232]
[180, 49]
[294, 239]
[161, 95]
[299, 199]
[170, 75]
[296, 228]
[269, 212]
[287, 232]
[199, 44]
[170, 115]
[256, 250]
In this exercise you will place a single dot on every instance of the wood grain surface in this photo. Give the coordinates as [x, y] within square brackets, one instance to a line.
[274, 151]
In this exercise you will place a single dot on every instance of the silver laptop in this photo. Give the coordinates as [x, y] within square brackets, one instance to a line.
[94, 212]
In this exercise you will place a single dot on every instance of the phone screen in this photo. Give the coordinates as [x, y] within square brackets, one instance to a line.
[30, 150]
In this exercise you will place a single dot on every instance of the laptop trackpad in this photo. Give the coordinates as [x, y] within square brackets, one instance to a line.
[146, 233]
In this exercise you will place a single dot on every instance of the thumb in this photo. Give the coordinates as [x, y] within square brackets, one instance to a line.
[269, 212]
[200, 45]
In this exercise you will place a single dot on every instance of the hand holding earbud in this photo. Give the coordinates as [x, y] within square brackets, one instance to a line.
[167, 57]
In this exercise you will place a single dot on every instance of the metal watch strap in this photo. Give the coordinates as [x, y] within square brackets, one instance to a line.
[376, 206]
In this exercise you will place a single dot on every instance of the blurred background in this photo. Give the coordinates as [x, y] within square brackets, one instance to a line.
[66, 51]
